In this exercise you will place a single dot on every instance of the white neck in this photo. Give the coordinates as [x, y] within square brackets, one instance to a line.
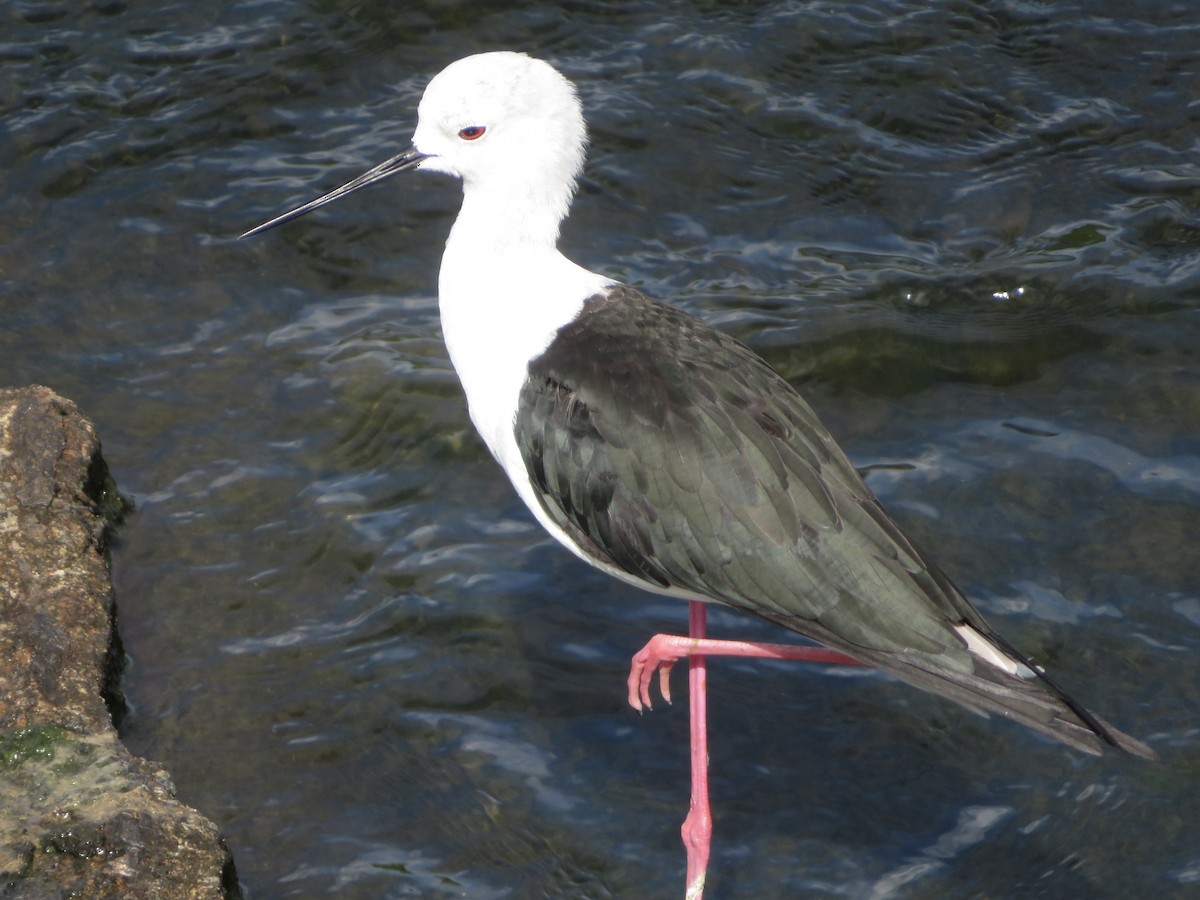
[504, 291]
[500, 213]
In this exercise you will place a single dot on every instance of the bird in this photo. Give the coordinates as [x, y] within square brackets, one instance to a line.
[664, 452]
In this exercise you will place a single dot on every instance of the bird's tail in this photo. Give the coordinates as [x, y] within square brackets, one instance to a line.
[1034, 700]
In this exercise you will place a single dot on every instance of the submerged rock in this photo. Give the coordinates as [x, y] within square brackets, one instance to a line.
[80, 816]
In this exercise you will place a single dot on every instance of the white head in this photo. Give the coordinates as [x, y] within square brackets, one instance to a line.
[509, 126]
[503, 116]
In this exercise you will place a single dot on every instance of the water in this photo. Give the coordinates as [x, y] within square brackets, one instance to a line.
[969, 231]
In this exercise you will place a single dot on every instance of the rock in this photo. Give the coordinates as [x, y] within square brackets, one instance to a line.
[80, 816]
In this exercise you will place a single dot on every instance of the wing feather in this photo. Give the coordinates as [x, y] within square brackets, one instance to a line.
[669, 451]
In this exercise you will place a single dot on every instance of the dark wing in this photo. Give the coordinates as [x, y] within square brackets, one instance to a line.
[673, 453]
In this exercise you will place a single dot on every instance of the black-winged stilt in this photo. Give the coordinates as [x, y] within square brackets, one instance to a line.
[666, 453]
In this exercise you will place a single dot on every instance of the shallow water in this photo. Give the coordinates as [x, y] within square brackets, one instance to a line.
[970, 233]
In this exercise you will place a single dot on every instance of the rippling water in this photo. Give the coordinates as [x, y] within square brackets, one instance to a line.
[969, 231]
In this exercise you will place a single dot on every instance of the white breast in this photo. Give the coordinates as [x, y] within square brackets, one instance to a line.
[497, 315]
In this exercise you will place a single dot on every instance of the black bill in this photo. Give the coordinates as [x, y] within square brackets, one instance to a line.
[401, 162]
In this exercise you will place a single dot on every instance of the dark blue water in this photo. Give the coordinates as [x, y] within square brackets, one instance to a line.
[969, 231]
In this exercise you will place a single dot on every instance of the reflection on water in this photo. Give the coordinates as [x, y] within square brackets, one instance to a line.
[969, 231]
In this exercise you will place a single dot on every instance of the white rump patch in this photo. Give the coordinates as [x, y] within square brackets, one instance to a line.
[984, 649]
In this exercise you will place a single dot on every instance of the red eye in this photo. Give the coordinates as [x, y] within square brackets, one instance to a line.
[471, 132]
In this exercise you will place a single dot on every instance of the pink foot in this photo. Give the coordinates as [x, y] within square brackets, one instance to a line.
[697, 841]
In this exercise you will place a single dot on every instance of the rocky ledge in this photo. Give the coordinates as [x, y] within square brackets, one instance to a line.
[80, 816]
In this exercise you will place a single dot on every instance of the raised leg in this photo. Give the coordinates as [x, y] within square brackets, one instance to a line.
[664, 650]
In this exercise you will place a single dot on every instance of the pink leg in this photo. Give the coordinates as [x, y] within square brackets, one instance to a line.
[661, 653]
[664, 650]
[697, 827]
